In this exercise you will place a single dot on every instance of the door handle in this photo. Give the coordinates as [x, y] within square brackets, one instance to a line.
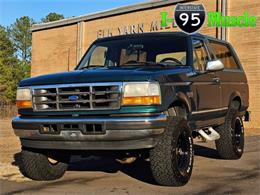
[216, 80]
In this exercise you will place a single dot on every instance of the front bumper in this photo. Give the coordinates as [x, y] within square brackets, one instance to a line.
[119, 133]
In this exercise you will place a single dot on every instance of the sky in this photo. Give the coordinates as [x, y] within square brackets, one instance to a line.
[37, 9]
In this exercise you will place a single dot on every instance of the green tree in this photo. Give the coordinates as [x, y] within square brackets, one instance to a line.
[7, 60]
[10, 78]
[52, 17]
[12, 70]
[7, 48]
[21, 37]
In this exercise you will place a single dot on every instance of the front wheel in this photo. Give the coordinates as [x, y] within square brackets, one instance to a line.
[41, 166]
[172, 158]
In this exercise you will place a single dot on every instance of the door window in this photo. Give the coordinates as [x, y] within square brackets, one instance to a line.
[200, 55]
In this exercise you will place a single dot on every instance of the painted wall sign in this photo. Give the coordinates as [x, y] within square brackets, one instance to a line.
[138, 28]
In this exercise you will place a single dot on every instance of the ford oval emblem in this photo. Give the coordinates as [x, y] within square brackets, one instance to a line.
[73, 98]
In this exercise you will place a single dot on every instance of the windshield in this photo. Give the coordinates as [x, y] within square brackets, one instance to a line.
[170, 51]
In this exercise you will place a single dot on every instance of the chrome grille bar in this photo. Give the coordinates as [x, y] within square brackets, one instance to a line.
[72, 97]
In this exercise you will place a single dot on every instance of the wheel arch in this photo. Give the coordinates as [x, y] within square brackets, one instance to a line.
[181, 101]
[235, 97]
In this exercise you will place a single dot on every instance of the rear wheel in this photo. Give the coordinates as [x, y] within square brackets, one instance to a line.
[42, 166]
[172, 158]
[231, 142]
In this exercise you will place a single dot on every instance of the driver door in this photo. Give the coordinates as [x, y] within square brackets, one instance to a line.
[206, 85]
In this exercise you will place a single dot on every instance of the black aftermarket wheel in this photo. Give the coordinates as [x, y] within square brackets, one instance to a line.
[172, 158]
[231, 142]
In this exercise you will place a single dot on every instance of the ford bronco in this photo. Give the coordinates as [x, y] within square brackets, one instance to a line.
[143, 96]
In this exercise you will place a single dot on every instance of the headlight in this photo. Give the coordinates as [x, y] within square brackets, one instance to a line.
[23, 98]
[141, 94]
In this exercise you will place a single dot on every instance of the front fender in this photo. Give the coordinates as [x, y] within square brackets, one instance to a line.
[171, 94]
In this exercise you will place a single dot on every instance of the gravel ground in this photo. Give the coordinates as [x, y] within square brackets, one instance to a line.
[105, 176]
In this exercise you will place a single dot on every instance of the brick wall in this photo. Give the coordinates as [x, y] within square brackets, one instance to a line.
[145, 17]
[54, 50]
[246, 42]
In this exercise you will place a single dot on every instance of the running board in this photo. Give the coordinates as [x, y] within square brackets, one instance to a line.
[209, 134]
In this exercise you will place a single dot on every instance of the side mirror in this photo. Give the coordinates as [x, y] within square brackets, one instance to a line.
[214, 65]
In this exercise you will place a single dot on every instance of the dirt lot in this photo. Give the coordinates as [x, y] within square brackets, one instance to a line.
[9, 143]
[105, 176]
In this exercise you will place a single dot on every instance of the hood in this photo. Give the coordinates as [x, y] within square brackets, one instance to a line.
[105, 74]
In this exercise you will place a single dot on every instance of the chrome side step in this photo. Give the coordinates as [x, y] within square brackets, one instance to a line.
[209, 134]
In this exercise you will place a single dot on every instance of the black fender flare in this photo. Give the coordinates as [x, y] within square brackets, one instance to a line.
[182, 98]
[235, 96]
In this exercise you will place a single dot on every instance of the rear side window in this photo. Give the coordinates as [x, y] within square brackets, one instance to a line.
[223, 53]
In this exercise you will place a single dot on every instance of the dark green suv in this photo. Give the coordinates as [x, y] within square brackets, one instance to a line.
[135, 96]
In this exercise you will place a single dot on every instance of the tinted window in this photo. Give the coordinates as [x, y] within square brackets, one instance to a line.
[126, 56]
[98, 57]
[224, 53]
[170, 50]
[200, 55]
[180, 56]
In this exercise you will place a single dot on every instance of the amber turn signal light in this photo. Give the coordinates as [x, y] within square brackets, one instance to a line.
[24, 104]
[142, 100]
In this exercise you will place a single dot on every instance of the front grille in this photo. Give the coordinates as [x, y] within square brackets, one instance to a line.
[75, 97]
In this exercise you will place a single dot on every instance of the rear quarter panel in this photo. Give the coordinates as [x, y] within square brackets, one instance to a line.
[234, 84]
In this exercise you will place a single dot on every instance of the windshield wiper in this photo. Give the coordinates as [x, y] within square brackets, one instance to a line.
[151, 63]
[93, 66]
[136, 63]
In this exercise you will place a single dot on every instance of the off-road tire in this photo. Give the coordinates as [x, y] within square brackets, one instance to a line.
[163, 157]
[36, 166]
[231, 142]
